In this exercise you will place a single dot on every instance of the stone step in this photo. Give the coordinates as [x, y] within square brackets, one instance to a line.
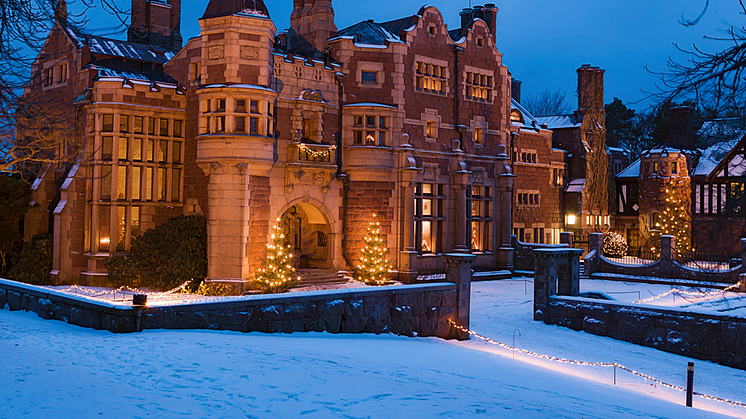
[319, 276]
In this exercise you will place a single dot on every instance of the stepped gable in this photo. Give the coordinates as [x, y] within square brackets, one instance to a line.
[217, 8]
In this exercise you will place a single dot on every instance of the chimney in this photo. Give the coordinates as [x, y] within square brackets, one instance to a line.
[681, 132]
[489, 15]
[590, 88]
[311, 26]
[60, 12]
[515, 90]
[465, 18]
[156, 22]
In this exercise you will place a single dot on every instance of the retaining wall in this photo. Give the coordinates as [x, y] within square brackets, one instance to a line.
[411, 310]
[715, 338]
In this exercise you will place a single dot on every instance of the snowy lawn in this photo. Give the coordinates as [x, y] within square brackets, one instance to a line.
[51, 369]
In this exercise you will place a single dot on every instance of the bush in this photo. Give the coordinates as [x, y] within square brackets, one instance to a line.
[35, 261]
[614, 245]
[165, 257]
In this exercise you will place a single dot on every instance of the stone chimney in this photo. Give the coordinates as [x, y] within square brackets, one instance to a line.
[156, 22]
[311, 26]
[681, 130]
[590, 88]
[515, 90]
[488, 13]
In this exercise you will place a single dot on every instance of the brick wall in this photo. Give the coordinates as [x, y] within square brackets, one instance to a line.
[365, 199]
[260, 221]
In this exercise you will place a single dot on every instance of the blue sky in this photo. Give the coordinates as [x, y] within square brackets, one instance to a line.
[545, 41]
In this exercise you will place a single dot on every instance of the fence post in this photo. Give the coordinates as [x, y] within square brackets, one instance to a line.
[459, 272]
[566, 238]
[742, 282]
[597, 243]
[743, 255]
[668, 247]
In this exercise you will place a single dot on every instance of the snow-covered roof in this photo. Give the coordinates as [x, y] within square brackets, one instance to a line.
[380, 105]
[369, 34]
[529, 121]
[104, 72]
[560, 121]
[712, 156]
[575, 185]
[122, 49]
[631, 172]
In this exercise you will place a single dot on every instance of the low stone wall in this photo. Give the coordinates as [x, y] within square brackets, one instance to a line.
[720, 339]
[414, 310]
[523, 258]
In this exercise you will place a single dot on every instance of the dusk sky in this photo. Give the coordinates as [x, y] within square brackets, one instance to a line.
[544, 42]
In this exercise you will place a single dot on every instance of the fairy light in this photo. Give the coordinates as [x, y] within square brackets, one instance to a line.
[690, 293]
[593, 364]
[316, 153]
[373, 266]
[276, 274]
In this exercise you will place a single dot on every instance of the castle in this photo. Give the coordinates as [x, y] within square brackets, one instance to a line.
[315, 126]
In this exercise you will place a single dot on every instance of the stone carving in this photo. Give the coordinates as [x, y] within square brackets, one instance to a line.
[249, 52]
[430, 173]
[215, 52]
[312, 95]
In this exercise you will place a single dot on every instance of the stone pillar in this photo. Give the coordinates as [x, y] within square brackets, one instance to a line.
[228, 226]
[567, 238]
[459, 272]
[743, 255]
[408, 254]
[742, 283]
[506, 252]
[556, 272]
[460, 181]
[668, 247]
[597, 243]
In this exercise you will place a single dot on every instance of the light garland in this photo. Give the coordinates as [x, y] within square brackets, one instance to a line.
[315, 153]
[691, 293]
[373, 267]
[595, 364]
[276, 275]
[124, 288]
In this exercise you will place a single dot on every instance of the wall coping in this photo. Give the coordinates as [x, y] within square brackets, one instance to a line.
[646, 307]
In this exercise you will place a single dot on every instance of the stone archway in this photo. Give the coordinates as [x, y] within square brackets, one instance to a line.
[307, 232]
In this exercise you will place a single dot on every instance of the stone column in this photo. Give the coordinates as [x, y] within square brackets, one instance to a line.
[459, 272]
[668, 247]
[227, 261]
[408, 254]
[743, 255]
[506, 252]
[556, 272]
[742, 283]
[597, 243]
[567, 238]
[460, 181]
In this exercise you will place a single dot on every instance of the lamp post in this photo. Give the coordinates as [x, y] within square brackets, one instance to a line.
[340, 79]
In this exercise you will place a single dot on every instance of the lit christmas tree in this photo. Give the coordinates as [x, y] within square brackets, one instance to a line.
[373, 267]
[614, 245]
[277, 273]
[674, 220]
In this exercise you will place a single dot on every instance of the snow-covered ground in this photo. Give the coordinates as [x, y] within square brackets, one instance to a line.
[51, 369]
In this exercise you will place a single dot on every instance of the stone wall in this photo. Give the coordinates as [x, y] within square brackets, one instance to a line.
[420, 310]
[720, 339]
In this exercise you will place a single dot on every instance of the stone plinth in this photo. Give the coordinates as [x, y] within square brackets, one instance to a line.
[556, 272]
[459, 272]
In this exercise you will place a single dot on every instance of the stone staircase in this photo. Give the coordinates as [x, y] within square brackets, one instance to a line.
[319, 277]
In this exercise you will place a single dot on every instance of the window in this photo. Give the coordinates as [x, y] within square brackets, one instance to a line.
[164, 127]
[369, 77]
[674, 168]
[430, 78]
[138, 125]
[558, 177]
[137, 183]
[176, 158]
[241, 105]
[107, 147]
[479, 217]
[62, 73]
[478, 86]
[122, 186]
[655, 167]
[124, 123]
[429, 217]
[161, 183]
[478, 135]
[151, 126]
[241, 124]
[195, 69]
[177, 128]
[480, 42]
[430, 130]
[123, 148]
[515, 116]
[374, 132]
[108, 123]
[208, 105]
[220, 105]
[655, 221]
[431, 30]
[254, 106]
[162, 151]
[105, 182]
[47, 77]
[220, 123]
[137, 149]
[528, 198]
[254, 125]
[538, 235]
[175, 184]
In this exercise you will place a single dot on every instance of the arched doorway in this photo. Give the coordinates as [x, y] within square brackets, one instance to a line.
[307, 233]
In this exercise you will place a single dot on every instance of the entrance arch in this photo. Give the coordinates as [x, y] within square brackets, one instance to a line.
[307, 231]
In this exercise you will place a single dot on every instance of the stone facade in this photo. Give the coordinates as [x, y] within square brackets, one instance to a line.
[242, 124]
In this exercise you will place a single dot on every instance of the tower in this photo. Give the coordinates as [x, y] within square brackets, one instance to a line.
[156, 22]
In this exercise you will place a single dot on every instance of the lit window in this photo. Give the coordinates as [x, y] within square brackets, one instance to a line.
[430, 129]
[479, 87]
[108, 123]
[369, 77]
[478, 135]
[124, 123]
[430, 78]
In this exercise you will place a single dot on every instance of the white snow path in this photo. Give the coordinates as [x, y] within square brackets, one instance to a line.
[51, 369]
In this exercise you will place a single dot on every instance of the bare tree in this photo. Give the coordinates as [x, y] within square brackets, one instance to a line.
[715, 80]
[547, 103]
[31, 131]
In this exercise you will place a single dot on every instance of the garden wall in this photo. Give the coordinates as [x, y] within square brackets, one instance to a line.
[413, 310]
[720, 339]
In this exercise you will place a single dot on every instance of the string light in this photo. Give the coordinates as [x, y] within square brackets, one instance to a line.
[373, 266]
[276, 275]
[595, 364]
[691, 293]
[316, 153]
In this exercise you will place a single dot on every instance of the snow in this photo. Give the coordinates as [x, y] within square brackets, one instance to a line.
[712, 156]
[51, 369]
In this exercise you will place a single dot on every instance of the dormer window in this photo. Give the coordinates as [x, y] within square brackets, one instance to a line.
[515, 116]
[431, 30]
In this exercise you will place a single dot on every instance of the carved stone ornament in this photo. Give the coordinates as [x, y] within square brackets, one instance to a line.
[249, 52]
[215, 52]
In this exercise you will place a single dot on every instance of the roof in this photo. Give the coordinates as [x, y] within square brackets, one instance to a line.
[560, 121]
[121, 49]
[110, 72]
[631, 172]
[714, 158]
[575, 185]
[217, 8]
[369, 33]
[455, 34]
[529, 121]
[404, 24]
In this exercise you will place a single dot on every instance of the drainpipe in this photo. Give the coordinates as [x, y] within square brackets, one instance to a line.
[456, 104]
[341, 176]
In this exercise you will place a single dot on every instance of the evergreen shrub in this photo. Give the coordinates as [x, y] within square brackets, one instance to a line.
[614, 245]
[165, 257]
[35, 261]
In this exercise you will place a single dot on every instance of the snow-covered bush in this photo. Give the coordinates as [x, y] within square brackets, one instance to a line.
[614, 245]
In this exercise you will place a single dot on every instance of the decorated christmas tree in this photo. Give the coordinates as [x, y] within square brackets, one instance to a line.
[276, 275]
[372, 267]
[674, 220]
